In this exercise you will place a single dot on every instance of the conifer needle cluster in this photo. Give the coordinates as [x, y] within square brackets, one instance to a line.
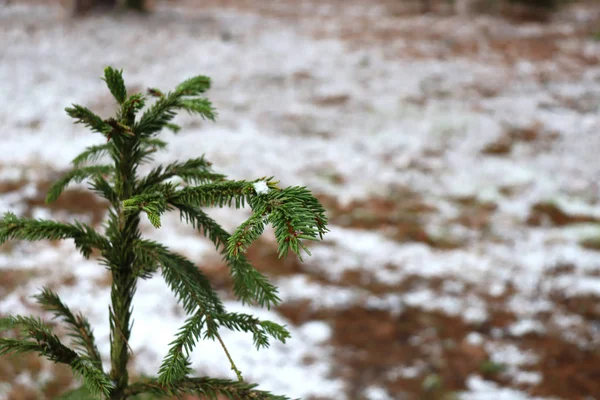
[188, 187]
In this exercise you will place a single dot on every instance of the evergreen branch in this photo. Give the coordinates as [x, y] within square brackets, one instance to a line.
[81, 393]
[76, 175]
[116, 84]
[202, 107]
[85, 237]
[196, 170]
[312, 205]
[104, 189]
[186, 281]
[173, 127]
[149, 146]
[154, 204]
[91, 154]
[18, 346]
[39, 338]
[194, 86]
[233, 366]
[248, 232]
[261, 330]
[201, 221]
[173, 367]
[79, 327]
[189, 284]
[195, 294]
[131, 106]
[83, 115]
[218, 194]
[204, 387]
[249, 285]
[158, 115]
[295, 215]
[153, 143]
[94, 379]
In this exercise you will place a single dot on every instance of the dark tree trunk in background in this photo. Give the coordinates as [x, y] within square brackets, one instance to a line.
[426, 6]
[139, 5]
[81, 7]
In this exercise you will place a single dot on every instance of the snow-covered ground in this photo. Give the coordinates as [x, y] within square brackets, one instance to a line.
[355, 106]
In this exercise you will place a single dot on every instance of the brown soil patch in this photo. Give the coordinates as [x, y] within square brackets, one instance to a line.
[586, 306]
[550, 212]
[501, 146]
[402, 216]
[10, 279]
[371, 345]
[534, 134]
[569, 371]
[263, 255]
[591, 243]
[71, 201]
[476, 214]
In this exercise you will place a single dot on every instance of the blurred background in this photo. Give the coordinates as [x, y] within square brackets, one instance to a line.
[454, 144]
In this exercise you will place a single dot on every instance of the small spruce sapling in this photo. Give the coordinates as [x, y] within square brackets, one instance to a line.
[187, 187]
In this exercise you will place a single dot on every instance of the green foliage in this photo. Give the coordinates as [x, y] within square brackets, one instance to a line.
[490, 368]
[85, 237]
[77, 175]
[116, 84]
[183, 186]
[249, 285]
[186, 281]
[81, 393]
[92, 154]
[159, 115]
[194, 171]
[433, 383]
[39, 338]
[78, 326]
[205, 388]
[84, 116]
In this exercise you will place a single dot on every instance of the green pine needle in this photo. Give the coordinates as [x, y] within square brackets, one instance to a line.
[78, 326]
[194, 86]
[116, 84]
[85, 237]
[75, 176]
[84, 116]
[91, 154]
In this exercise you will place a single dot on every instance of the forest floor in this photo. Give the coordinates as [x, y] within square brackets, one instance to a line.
[458, 161]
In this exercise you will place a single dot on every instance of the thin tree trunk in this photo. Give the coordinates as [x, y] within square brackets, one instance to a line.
[426, 6]
[124, 279]
[81, 7]
[138, 5]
